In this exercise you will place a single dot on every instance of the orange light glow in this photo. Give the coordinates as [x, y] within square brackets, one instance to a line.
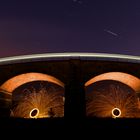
[39, 104]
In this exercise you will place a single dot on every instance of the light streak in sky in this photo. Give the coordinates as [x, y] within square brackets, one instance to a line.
[110, 32]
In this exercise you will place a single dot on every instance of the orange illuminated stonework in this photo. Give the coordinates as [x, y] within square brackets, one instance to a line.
[125, 78]
[11, 84]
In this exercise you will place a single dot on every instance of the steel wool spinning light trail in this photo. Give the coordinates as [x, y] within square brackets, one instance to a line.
[39, 104]
[112, 99]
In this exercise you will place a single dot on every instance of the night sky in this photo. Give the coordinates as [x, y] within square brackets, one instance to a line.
[103, 26]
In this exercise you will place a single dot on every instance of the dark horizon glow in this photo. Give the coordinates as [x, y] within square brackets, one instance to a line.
[69, 26]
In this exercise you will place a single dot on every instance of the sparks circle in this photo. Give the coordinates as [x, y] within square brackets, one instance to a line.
[116, 112]
[34, 113]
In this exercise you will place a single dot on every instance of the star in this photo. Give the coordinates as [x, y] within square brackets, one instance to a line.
[78, 1]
